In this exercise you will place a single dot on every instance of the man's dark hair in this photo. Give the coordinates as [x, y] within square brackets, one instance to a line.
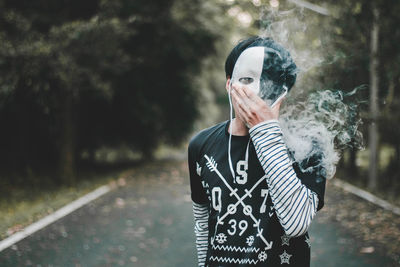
[283, 71]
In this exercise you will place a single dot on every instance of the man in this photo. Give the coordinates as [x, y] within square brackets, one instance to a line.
[252, 206]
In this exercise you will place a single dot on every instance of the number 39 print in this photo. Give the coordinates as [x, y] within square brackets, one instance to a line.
[242, 225]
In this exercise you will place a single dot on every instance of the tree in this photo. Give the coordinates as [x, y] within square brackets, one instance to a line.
[374, 111]
[78, 76]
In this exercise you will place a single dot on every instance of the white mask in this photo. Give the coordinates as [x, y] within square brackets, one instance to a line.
[255, 69]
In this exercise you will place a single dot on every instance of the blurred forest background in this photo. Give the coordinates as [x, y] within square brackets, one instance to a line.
[95, 82]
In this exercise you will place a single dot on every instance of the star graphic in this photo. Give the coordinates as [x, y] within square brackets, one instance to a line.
[285, 257]
[285, 239]
[308, 242]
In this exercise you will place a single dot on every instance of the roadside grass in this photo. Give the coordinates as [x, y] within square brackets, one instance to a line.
[23, 204]
[26, 198]
[384, 191]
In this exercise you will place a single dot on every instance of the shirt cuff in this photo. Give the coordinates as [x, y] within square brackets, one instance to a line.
[264, 123]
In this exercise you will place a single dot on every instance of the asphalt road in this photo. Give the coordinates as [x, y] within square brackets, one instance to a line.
[148, 222]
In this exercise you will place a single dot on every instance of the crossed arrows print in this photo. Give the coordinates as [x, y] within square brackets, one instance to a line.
[247, 210]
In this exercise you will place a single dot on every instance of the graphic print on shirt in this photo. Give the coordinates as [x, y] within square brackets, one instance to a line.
[285, 240]
[220, 238]
[234, 225]
[308, 241]
[285, 257]
[204, 183]
[198, 169]
[250, 240]
[234, 250]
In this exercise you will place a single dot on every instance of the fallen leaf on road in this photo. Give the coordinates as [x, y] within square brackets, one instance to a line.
[120, 202]
[121, 182]
[367, 250]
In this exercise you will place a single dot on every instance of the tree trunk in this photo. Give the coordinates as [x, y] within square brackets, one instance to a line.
[352, 163]
[67, 156]
[374, 111]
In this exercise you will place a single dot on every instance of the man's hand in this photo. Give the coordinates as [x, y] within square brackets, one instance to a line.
[251, 108]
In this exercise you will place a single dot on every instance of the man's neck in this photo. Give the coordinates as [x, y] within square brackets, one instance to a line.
[237, 127]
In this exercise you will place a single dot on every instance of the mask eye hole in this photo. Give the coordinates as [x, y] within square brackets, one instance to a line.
[246, 80]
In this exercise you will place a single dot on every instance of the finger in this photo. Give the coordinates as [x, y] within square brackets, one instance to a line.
[236, 98]
[242, 113]
[249, 93]
[234, 95]
[238, 106]
[252, 96]
[241, 103]
[244, 99]
[240, 92]
[249, 97]
[253, 99]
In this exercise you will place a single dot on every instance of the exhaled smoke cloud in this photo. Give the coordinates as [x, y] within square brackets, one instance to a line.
[289, 29]
[318, 129]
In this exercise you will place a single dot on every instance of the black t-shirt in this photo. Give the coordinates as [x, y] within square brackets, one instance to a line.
[243, 227]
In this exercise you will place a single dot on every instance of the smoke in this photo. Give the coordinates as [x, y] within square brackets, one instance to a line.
[317, 130]
[290, 29]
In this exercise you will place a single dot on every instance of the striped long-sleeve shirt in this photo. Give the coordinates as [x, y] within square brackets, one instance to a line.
[295, 204]
[201, 215]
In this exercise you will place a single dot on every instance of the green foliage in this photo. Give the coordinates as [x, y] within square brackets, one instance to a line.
[97, 73]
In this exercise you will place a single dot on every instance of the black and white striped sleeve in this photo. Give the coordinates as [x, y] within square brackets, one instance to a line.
[201, 214]
[295, 204]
